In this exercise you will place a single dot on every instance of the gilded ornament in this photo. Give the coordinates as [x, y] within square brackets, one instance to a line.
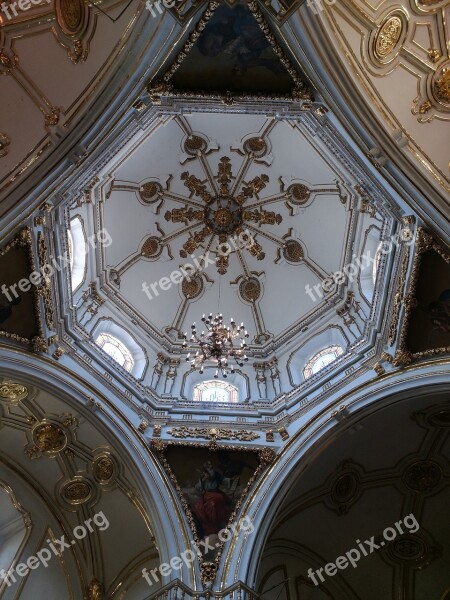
[192, 287]
[283, 432]
[299, 193]
[208, 572]
[95, 590]
[49, 438]
[443, 85]
[194, 144]
[77, 491]
[151, 248]
[52, 119]
[250, 289]
[13, 391]
[388, 36]
[256, 146]
[150, 191]
[425, 107]
[423, 476]
[293, 251]
[103, 469]
[267, 456]
[215, 433]
[71, 15]
[143, 426]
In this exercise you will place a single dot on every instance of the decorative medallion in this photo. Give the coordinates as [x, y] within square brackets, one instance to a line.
[299, 193]
[441, 85]
[151, 248]
[194, 144]
[345, 487]
[104, 469]
[440, 419]
[293, 251]
[13, 391]
[250, 289]
[71, 15]
[223, 216]
[408, 548]
[149, 192]
[77, 491]
[423, 476]
[256, 146]
[388, 36]
[49, 438]
[192, 287]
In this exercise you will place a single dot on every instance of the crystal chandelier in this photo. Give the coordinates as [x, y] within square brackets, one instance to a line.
[219, 344]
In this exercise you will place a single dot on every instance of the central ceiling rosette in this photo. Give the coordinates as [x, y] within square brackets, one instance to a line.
[232, 208]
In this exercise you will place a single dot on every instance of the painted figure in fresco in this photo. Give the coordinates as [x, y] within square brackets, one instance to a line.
[239, 37]
[439, 312]
[6, 307]
[213, 509]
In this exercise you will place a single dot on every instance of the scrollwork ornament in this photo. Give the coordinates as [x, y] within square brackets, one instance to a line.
[208, 572]
[213, 433]
[13, 391]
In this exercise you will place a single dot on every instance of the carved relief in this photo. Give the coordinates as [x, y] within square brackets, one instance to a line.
[13, 391]
[49, 438]
[388, 36]
[104, 469]
[151, 248]
[423, 476]
[74, 28]
[77, 491]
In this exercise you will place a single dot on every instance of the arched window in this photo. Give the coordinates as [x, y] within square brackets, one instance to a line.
[215, 391]
[321, 360]
[376, 263]
[118, 351]
[77, 252]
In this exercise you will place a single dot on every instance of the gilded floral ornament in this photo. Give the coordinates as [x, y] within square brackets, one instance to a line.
[49, 438]
[443, 85]
[213, 433]
[388, 37]
[13, 391]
